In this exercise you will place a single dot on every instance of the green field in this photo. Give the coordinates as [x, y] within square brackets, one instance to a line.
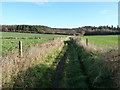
[13, 34]
[12, 44]
[106, 42]
[70, 67]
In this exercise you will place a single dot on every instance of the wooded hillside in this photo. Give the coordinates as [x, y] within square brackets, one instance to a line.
[87, 30]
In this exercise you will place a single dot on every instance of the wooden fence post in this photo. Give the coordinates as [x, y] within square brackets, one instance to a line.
[20, 49]
[86, 42]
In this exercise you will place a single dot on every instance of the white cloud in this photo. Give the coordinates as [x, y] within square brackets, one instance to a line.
[42, 2]
[60, 0]
[105, 12]
[23, 0]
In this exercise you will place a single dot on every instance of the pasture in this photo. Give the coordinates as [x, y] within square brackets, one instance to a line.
[8, 44]
[105, 42]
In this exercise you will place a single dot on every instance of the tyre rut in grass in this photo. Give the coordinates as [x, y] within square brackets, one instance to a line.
[74, 76]
[69, 73]
[59, 70]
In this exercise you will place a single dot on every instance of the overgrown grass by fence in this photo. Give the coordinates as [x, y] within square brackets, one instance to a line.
[34, 69]
[99, 69]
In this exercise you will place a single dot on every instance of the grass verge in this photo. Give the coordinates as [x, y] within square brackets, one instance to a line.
[34, 69]
[98, 74]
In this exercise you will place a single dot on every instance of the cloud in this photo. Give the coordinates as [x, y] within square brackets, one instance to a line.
[38, 2]
[105, 12]
[42, 2]
[23, 0]
[60, 0]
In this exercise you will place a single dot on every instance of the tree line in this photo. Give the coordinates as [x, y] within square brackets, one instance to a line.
[87, 30]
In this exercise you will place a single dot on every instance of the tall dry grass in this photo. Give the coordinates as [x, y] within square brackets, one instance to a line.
[12, 65]
[110, 58]
[0, 59]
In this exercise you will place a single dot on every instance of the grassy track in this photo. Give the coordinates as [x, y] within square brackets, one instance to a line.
[107, 42]
[80, 69]
[72, 67]
[85, 70]
[73, 74]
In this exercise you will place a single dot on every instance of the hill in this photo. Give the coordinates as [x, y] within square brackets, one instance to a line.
[87, 30]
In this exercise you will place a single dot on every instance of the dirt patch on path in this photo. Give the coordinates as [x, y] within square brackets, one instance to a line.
[59, 71]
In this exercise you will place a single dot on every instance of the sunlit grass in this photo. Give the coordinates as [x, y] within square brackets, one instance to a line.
[110, 41]
[12, 44]
[14, 34]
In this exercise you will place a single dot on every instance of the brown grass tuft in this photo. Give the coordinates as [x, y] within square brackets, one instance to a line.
[12, 64]
[110, 58]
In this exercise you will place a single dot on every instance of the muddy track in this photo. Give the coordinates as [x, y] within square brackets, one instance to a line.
[59, 71]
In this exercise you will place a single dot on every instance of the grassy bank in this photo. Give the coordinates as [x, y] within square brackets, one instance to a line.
[98, 74]
[32, 70]
[39, 76]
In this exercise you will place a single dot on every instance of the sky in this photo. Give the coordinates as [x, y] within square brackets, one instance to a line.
[60, 14]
